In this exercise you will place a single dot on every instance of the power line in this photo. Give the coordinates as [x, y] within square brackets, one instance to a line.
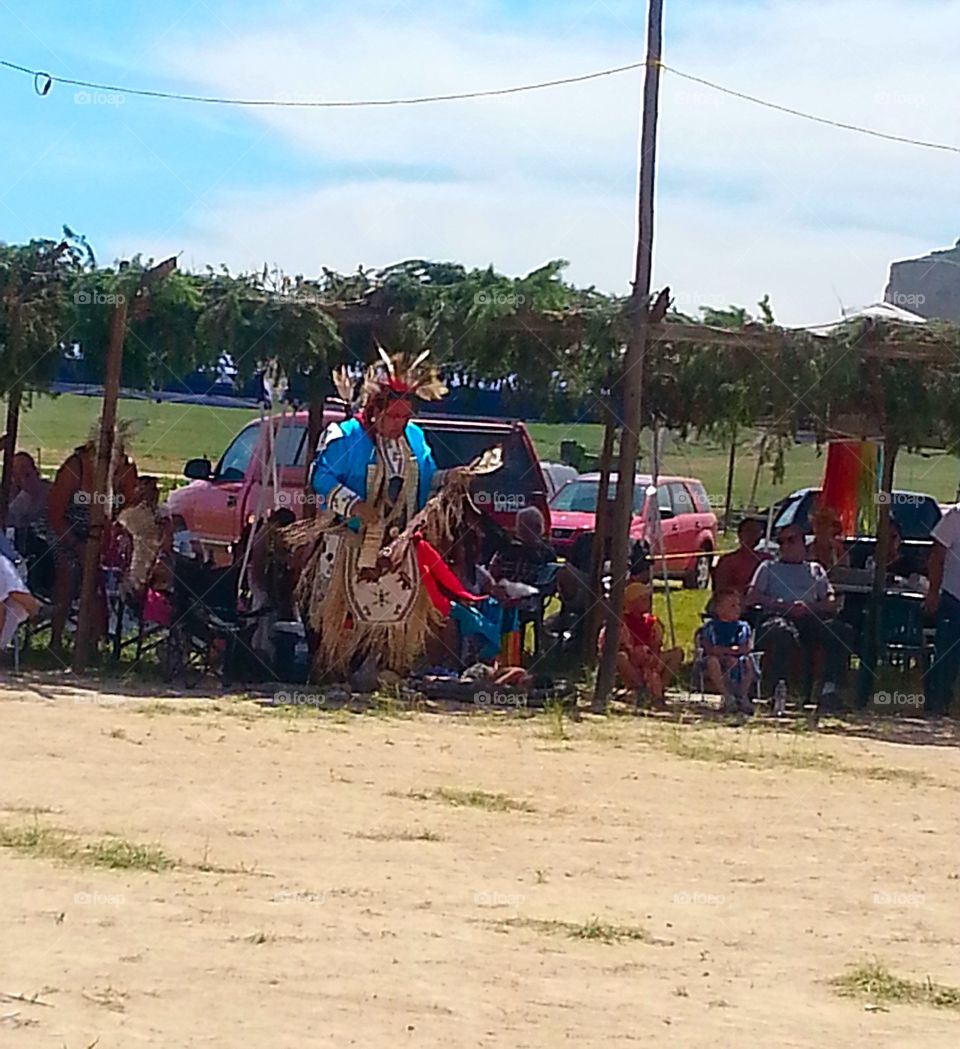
[812, 116]
[43, 81]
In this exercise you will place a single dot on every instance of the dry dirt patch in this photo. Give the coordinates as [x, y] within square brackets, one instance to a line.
[467, 881]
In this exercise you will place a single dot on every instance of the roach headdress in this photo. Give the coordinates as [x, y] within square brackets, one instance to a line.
[389, 378]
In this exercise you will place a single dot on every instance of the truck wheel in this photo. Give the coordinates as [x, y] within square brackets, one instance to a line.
[698, 577]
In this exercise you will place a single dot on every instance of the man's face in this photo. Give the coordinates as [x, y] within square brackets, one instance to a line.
[394, 418]
[792, 547]
[750, 535]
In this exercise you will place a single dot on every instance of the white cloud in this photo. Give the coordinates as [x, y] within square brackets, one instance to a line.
[751, 201]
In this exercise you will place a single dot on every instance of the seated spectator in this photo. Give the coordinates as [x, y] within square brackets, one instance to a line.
[801, 616]
[17, 604]
[735, 570]
[901, 563]
[28, 506]
[727, 642]
[526, 558]
[642, 662]
[827, 547]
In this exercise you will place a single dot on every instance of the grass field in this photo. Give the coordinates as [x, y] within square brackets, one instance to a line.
[169, 434]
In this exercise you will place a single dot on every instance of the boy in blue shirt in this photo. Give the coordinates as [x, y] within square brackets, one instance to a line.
[727, 648]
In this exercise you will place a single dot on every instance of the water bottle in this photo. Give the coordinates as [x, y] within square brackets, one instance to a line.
[780, 698]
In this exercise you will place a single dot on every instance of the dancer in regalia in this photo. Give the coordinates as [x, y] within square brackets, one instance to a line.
[375, 585]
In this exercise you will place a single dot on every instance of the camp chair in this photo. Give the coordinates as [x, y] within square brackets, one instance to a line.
[699, 669]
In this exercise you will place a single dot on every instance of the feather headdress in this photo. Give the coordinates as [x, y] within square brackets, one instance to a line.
[389, 377]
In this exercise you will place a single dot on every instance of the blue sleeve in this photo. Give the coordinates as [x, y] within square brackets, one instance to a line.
[330, 470]
[744, 633]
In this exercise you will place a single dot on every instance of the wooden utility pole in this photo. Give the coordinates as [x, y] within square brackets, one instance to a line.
[598, 548]
[88, 625]
[873, 647]
[632, 379]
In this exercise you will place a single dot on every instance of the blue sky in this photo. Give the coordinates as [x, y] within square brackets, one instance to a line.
[749, 202]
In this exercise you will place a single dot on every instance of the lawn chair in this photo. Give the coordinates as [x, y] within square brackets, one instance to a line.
[699, 673]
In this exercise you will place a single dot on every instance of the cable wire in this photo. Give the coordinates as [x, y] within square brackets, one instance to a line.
[44, 80]
[811, 116]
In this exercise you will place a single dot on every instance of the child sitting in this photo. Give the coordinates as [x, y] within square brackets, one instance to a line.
[727, 642]
[641, 661]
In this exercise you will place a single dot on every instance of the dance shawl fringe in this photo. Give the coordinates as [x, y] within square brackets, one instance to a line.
[326, 609]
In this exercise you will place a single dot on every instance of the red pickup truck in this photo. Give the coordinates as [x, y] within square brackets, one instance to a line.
[221, 498]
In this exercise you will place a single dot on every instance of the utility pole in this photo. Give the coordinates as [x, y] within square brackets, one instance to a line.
[632, 379]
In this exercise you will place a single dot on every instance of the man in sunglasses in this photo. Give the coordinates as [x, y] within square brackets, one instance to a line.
[800, 617]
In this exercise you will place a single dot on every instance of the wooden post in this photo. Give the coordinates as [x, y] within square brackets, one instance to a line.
[874, 633]
[632, 380]
[600, 532]
[314, 430]
[14, 399]
[88, 627]
[731, 467]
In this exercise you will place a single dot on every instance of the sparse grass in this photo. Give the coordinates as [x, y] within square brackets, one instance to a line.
[119, 854]
[107, 997]
[477, 799]
[556, 719]
[55, 844]
[748, 748]
[258, 938]
[874, 982]
[399, 835]
[159, 708]
[29, 810]
[592, 929]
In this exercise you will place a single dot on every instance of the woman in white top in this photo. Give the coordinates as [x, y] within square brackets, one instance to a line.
[17, 604]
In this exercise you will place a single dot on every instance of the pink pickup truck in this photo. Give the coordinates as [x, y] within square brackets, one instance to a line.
[221, 498]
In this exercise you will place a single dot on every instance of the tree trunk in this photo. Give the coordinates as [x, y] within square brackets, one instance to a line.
[600, 532]
[761, 454]
[14, 398]
[731, 467]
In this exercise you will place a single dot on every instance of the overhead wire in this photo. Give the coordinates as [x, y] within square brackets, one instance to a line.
[41, 77]
[43, 82]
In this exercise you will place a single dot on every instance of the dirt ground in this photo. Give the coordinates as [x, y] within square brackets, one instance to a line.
[640, 882]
